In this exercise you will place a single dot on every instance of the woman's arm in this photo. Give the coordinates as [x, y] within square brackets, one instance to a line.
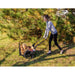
[46, 31]
[45, 34]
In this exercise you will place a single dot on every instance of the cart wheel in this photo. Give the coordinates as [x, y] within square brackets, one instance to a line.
[27, 54]
[33, 54]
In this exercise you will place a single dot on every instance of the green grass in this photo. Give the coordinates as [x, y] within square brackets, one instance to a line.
[9, 54]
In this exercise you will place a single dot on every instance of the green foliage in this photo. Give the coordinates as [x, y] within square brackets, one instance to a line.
[28, 24]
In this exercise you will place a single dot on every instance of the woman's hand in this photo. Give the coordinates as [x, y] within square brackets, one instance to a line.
[45, 37]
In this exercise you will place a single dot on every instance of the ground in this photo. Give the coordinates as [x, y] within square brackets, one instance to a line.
[9, 54]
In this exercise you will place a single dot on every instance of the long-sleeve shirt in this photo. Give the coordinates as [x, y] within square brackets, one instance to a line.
[49, 27]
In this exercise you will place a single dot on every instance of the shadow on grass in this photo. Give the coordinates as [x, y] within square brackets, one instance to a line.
[7, 55]
[68, 46]
[42, 58]
[39, 52]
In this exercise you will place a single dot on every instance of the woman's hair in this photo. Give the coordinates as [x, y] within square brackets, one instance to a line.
[46, 16]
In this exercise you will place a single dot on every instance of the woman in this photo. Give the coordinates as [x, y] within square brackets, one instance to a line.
[50, 27]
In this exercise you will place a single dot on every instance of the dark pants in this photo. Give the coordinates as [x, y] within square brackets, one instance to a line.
[55, 40]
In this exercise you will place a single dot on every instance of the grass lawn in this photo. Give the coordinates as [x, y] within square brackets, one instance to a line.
[9, 55]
